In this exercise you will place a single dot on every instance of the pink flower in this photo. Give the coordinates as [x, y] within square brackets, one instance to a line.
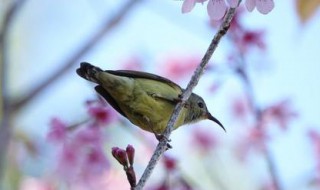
[94, 162]
[315, 138]
[188, 5]
[241, 107]
[281, 113]
[263, 6]
[204, 140]
[88, 135]
[58, 130]
[30, 183]
[132, 63]
[180, 66]
[250, 39]
[100, 111]
[217, 8]
[254, 139]
[170, 163]
[81, 157]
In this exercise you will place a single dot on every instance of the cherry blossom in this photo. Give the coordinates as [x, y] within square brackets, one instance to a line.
[81, 156]
[263, 6]
[254, 139]
[315, 138]
[188, 5]
[100, 111]
[281, 113]
[217, 8]
[58, 130]
[181, 66]
[204, 140]
[170, 163]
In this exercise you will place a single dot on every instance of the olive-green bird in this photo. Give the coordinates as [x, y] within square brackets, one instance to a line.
[147, 100]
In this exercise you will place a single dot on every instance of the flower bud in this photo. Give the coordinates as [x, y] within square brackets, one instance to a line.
[120, 155]
[130, 152]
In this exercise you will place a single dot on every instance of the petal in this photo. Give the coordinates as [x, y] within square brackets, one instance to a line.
[201, 1]
[216, 9]
[264, 6]
[233, 3]
[250, 4]
[188, 5]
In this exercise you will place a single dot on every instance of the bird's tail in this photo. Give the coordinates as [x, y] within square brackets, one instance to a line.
[88, 71]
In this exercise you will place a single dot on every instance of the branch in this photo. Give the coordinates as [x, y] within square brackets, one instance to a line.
[5, 131]
[243, 75]
[108, 25]
[160, 149]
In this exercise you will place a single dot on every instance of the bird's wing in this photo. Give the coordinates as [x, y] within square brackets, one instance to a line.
[139, 74]
[109, 99]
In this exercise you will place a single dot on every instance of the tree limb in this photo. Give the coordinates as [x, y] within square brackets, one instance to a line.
[5, 130]
[107, 26]
[161, 147]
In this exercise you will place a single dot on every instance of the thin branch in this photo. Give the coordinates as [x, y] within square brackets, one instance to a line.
[160, 149]
[243, 75]
[5, 130]
[107, 26]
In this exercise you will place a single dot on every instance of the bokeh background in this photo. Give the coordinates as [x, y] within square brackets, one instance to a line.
[261, 83]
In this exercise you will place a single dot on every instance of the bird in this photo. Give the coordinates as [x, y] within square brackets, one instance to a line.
[145, 99]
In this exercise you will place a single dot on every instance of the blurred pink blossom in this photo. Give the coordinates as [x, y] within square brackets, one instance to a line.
[268, 186]
[250, 39]
[178, 67]
[82, 157]
[240, 107]
[101, 112]
[204, 140]
[315, 138]
[281, 113]
[30, 183]
[254, 139]
[132, 63]
[88, 135]
[243, 38]
[58, 131]
[94, 163]
[163, 186]
[170, 163]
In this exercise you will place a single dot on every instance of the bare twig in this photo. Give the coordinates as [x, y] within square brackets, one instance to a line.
[242, 73]
[160, 149]
[5, 131]
[84, 49]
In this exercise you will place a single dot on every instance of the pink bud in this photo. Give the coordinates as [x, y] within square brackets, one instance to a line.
[120, 155]
[130, 152]
[170, 163]
[114, 151]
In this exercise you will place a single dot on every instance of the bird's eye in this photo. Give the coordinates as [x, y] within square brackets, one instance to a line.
[200, 104]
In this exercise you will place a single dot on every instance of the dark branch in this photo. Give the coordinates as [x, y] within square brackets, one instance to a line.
[107, 26]
[160, 149]
[5, 131]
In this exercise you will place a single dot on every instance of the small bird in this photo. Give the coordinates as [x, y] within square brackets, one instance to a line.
[145, 99]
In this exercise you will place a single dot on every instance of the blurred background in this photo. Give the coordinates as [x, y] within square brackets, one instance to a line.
[261, 83]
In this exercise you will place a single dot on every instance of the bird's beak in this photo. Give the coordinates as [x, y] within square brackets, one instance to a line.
[210, 117]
